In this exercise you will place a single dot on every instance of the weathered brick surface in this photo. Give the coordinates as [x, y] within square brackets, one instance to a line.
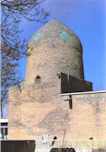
[32, 118]
[51, 54]
[37, 110]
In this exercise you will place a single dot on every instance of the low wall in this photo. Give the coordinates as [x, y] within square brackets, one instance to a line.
[17, 146]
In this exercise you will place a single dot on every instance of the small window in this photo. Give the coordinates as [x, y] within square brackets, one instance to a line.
[38, 79]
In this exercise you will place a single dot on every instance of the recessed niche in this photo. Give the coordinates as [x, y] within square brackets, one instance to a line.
[38, 79]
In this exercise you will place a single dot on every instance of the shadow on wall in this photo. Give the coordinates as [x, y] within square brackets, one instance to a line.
[99, 150]
[62, 150]
[18, 146]
[73, 150]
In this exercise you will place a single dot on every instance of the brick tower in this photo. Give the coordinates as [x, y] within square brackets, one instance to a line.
[52, 102]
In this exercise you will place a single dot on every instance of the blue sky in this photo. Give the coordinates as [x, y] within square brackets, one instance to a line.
[87, 18]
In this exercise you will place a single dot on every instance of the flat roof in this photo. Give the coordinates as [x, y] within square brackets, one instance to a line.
[81, 93]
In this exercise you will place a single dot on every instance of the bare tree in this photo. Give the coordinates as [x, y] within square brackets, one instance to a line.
[30, 9]
[12, 47]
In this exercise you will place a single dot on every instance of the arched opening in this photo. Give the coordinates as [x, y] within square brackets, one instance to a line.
[38, 79]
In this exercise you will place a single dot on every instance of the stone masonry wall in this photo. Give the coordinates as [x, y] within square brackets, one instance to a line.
[31, 119]
[38, 111]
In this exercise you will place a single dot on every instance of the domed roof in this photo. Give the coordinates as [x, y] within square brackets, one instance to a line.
[55, 29]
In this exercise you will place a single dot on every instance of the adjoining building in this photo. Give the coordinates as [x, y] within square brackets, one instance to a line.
[3, 129]
[55, 105]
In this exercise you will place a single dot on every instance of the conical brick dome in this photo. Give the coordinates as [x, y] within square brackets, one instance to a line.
[53, 49]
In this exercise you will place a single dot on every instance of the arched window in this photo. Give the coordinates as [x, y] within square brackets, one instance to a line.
[38, 79]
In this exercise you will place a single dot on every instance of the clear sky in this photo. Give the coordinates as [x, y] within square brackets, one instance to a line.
[87, 18]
